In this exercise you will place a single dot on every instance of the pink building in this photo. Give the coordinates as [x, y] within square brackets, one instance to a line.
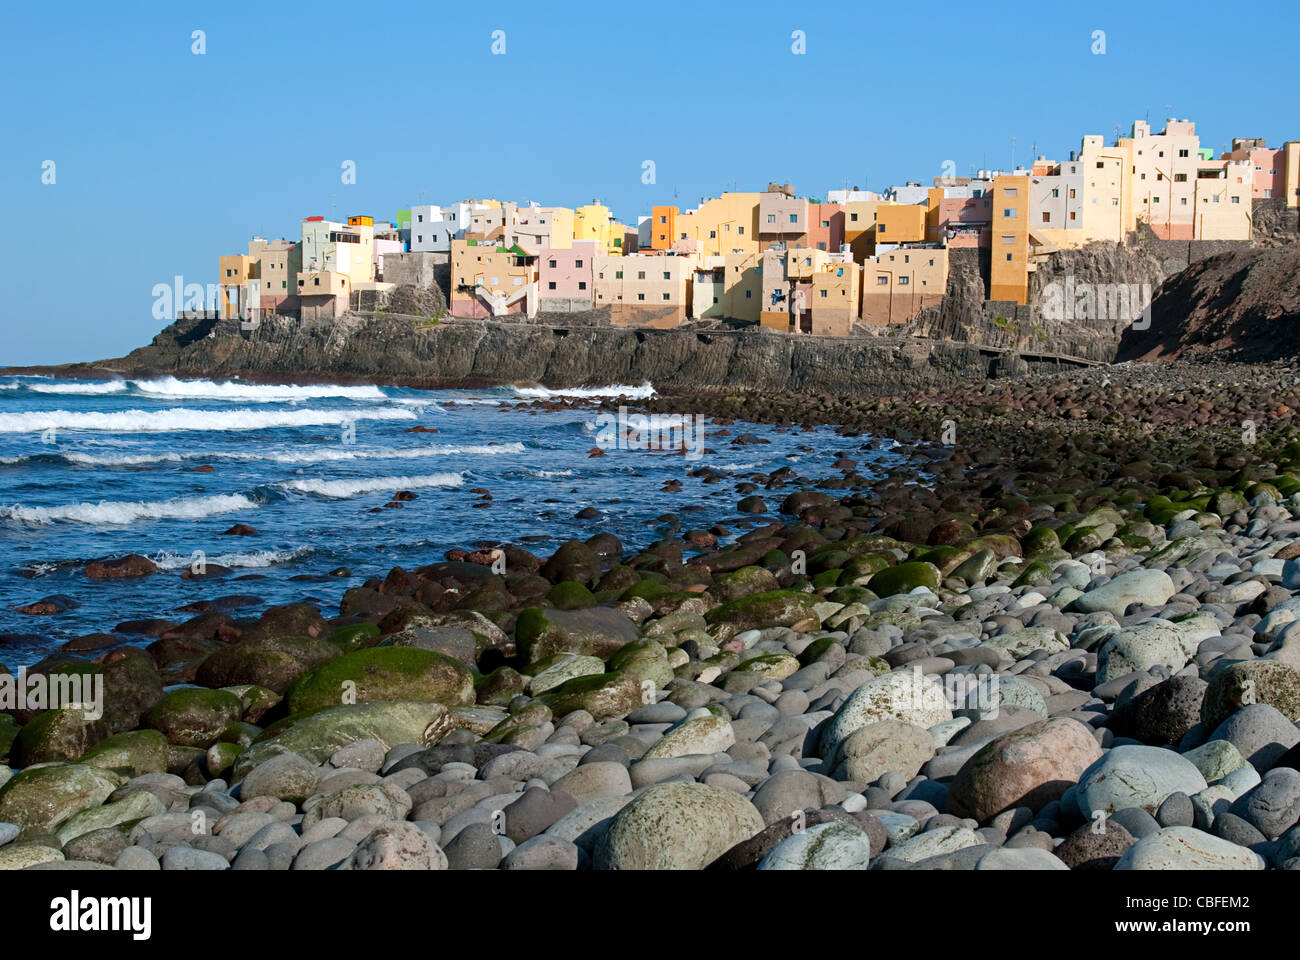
[825, 226]
[1269, 167]
[965, 221]
[565, 277]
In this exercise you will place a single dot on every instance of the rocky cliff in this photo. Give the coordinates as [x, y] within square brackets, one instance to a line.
[478, 353]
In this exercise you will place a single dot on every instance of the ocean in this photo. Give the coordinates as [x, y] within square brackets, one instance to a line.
[164, 467]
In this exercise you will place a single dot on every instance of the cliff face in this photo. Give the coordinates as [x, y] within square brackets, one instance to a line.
[966, 315]
[1243, 305]
[476, 353]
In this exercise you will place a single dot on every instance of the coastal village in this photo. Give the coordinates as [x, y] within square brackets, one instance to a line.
[853, 259]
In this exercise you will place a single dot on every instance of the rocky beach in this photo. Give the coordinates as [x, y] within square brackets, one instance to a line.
[1058, 633]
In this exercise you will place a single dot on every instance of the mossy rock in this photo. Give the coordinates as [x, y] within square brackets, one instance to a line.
[220, 758]
[847, 595]
[355, 636]
[257, 700]
[977, 569]
[1252, 681]
[573, 561]
[133, 753]
[541, 632]
[829, 559]
[241, 733]
[1035, 571]
[383, 673]
[1003, 545]
[273, 662]
[645, 660]
[9, 728]
[570, 595]
[1039, 540]
[604, 695]
[42, 798]
[63, 734]
[744, 582]
[866, 564]
[815, 650]
[905, 578]
[194, 717]
[315, 736]
[1227, 502]
[1083, 540]
[946, 558]
[556, 670]
[647, 588]
[499, 687]
[772, 608]
[771, 666]
[827, 579]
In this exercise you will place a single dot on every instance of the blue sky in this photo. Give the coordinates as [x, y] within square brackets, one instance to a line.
[165, 159]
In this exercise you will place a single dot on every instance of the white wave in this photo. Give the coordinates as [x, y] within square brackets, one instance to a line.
[92, 388]
[342, 489]
[743, 466]
[257, 558]
[643, 392]
[318, 455]
[179, 418]
[548, 474]
[120, 512]
[172, 388]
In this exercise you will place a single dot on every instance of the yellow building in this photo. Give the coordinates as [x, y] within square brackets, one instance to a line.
[898, 284]
[338, 248]
[490, 280]
[1009, 254]
[835, 292]
[1291, 174]
[900, 222]
[1107, 198]
[595, 222]
[719, 227]
[860, 227]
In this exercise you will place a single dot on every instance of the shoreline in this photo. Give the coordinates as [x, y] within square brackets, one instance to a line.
[1085, 518]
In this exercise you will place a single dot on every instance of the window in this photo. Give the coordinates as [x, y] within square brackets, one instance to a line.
[1143, 177]
[1072, 193]
[1073, 215]
[1009, 213]
[640, 296]
[1180, 178]
[715, 300]
[880, 228]
[821, 246]
[663, 219]
[907, 258]
[1056, 192]
[551, 285]
[551, 264]
[1236, 199]
[853, 217]
[665, 296]
[713, 234]
[881, 281]
[618, 275]
[1008, 258]
[826, 223]
[1181, 153]
[771, 218]
[904, 281]
[1100, 165]
[1008, 238]
[577, 263]
[740, 230]
[794, 218]
[748, 294]
[823, 294]
[582, 284]
[640, 274]
[1047, 217]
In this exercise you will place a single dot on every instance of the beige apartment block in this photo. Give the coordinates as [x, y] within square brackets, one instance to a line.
[898, 284]
[644, 290]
